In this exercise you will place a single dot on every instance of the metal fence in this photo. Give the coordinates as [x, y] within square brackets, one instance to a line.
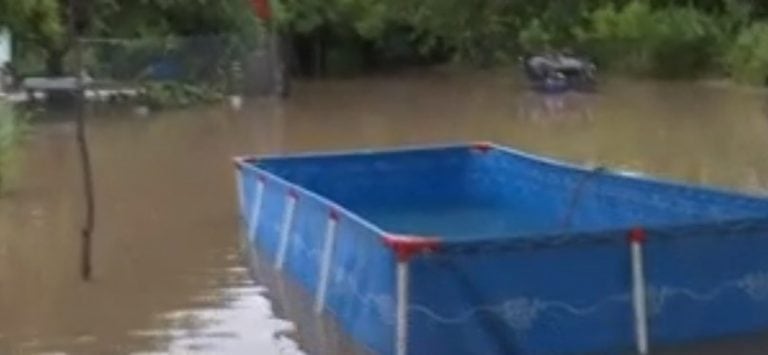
[178, 67]
[222, 63]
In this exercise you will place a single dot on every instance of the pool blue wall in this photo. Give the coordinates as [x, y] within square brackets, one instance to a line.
[707, 281]
[518, 194]
[498, 300]
[575, 296]
[534, 255]
[361, 282]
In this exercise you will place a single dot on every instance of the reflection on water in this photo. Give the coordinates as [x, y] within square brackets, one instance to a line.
[168, 275]
[543, 109]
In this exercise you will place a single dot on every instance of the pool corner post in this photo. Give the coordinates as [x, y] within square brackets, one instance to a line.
[405, 248]
[291, 199]
[325, 262]
[250, 218]
[237, 162]
[252, 221]
[637, 238]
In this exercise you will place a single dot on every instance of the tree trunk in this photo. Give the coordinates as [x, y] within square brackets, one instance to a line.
[54, 62]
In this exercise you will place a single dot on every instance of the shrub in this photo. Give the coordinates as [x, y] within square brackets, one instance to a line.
[667, 42]
[747, 58]
[171, 94]
[535, 37]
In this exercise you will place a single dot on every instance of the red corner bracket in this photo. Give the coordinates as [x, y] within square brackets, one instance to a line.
[334, 215]
[406, 247]
[481, 147]
[637, 235]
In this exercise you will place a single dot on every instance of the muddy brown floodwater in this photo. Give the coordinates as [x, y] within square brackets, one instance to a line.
[169, 277]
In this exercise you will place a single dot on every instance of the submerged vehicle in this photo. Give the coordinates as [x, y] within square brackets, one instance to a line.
[555, 73]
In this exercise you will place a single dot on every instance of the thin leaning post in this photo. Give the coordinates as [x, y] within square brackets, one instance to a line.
[405, 248]
[291, 199]
[325, 261]
[77, 24]
[637, 238]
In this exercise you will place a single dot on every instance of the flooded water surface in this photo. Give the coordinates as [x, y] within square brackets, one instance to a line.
[169, 277]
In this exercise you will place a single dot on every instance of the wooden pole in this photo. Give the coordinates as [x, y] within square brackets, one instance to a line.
[76, 21]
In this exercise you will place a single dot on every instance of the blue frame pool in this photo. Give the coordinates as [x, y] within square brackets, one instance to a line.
[479, 248]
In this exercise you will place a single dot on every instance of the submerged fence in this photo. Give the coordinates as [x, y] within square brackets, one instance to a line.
[219, 63]
[174, 69]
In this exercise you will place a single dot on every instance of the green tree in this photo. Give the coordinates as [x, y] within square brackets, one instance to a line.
[39, 24]
[42, 26]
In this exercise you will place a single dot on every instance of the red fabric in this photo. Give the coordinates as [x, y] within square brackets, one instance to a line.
[262, 9]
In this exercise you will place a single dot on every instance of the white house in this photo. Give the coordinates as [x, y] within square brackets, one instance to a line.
[5, 55]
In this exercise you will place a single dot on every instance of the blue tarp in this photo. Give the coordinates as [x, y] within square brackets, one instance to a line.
[533, 254]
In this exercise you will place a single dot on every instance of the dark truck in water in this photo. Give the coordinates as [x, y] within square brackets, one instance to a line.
[555, 73]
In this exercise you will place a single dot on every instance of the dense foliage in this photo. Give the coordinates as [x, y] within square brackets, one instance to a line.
[675, 41]
[127, 40]
[42, 27]
[747, 57]
[667, 38]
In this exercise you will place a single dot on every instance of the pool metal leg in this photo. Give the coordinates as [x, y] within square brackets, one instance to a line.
[253, 220]
[325, 262]
[636, 240]
[401, 342]
[285, 231]
[405, 248]
[240, 194]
